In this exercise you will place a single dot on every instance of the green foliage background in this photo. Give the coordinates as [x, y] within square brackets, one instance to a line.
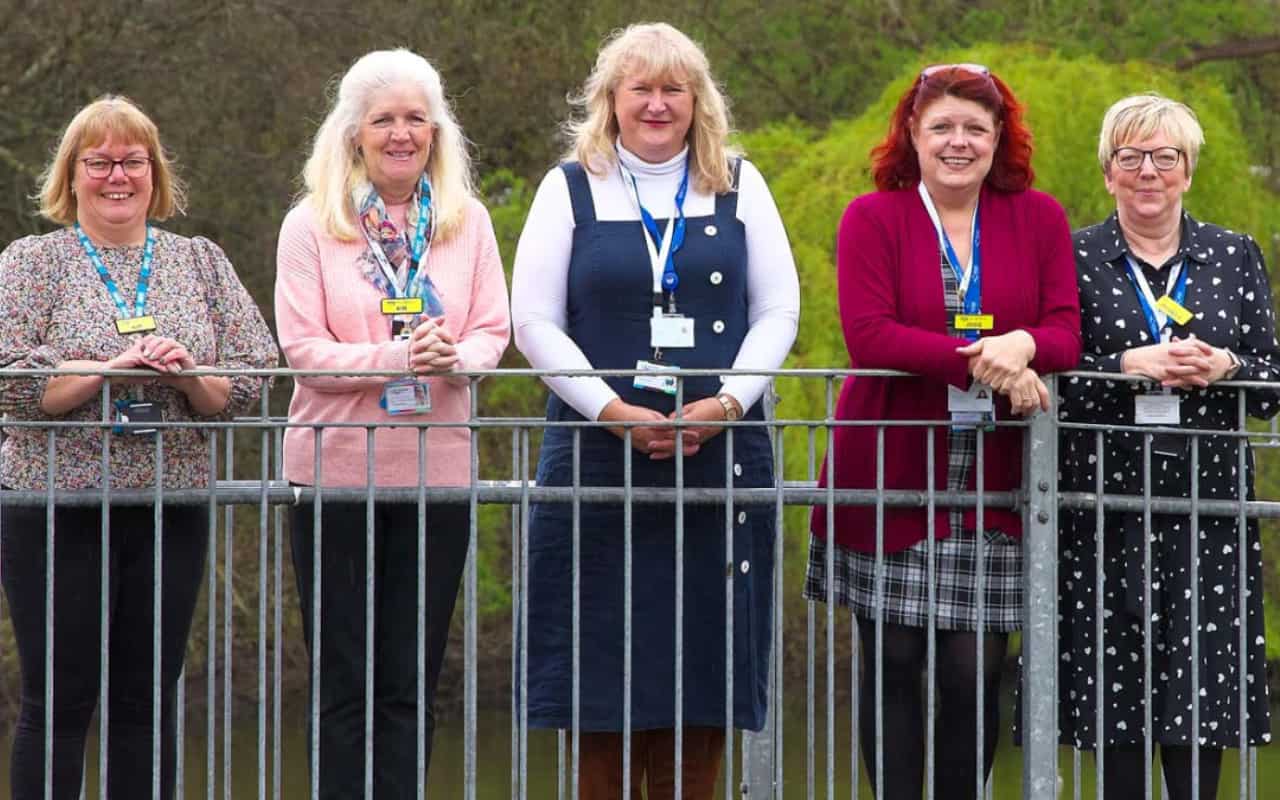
[238, 87]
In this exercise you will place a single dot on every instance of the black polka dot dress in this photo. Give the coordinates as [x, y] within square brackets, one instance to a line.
[1230, 298]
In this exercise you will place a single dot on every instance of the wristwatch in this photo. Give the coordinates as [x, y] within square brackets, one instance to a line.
[1235, 364]
[732, 411]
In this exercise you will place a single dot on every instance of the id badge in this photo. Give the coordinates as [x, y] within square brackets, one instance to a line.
[143, 324]
[406, 396]
[393, 306]
[973, 322]
[1157, 409]
[669, 331]
[136, 411]
[972, 407]
[660, 378]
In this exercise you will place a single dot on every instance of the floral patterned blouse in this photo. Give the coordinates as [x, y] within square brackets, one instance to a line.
[55, 308]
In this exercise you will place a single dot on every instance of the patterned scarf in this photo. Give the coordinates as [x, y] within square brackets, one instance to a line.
[379, 231]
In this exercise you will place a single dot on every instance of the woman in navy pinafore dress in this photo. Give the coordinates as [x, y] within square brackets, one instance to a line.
[650, 175]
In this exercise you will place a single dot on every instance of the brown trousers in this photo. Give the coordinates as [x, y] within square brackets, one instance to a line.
[653, 764]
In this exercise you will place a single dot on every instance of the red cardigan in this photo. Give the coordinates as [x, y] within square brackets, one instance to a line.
[891, 308]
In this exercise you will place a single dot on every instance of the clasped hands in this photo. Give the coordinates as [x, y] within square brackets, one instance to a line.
[168, 357]
[658, 441]
[1001, 362]
[1189, 363]
[432, 349]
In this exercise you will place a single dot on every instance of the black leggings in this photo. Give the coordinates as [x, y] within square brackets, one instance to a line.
[1125, 777]
[905, 654]
[77, 644]
[395, 655]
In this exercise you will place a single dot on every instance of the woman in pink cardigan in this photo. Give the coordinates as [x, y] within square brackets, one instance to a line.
[956, 271]
[388, 262]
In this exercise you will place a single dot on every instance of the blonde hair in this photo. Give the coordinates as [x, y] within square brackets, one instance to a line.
[654, 50]
[1141, 116]
[335, 166]
[109, 117]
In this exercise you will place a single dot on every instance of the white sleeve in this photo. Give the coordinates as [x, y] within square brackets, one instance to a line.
[773, 289]
[539, 298]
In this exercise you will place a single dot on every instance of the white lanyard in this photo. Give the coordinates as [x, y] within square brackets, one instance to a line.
[1150, 298]
[945, 243]
[657, 258]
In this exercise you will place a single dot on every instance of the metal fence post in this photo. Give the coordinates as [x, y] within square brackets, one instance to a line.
[1040, 625]
[758, 747]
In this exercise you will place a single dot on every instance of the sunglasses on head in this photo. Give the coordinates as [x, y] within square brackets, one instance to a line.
[977, 69]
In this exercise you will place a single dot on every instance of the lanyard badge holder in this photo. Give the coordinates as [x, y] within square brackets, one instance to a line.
[668, 329]
[131, 412]
[973, 407]
[1162, 408]
[404, 304]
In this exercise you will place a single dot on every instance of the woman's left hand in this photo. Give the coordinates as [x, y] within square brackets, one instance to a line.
[708, 409]
[166, 355]
[1213, 363]
[998, 360]
[432, 349]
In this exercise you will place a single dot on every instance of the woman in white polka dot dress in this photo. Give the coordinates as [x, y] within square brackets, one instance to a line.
[1185, 304]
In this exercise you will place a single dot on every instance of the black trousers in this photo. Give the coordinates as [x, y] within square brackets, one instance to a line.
[395, 635]
[77, 606]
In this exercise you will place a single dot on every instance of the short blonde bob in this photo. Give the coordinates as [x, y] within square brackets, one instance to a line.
[335, 166]
[117, 118]
[653, 50]
[1141, 116]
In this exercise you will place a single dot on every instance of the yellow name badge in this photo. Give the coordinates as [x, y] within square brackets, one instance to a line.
[974, 322]
[143, 324]
[1174, 309]
[401, 305]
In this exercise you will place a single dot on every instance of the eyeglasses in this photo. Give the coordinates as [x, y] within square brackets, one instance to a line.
[133, 166]
[1130, 158]
[930, 71]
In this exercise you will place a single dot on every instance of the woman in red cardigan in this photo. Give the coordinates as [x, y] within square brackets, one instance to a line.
[955, 271]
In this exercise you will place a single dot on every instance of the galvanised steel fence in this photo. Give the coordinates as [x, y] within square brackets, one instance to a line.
[754, 763]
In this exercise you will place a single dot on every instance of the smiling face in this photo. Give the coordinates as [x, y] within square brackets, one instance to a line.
[955, 141]
[1147, 194]
[654, 114]
[395, 139]
[113, 209]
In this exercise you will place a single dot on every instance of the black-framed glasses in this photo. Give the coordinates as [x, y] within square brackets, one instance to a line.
[933, 69]
[99, 167]
[1162, 158]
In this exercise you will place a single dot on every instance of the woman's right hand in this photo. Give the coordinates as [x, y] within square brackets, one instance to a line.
[1177, 363]
[135, 356]
[1027, 394]
[657, 442]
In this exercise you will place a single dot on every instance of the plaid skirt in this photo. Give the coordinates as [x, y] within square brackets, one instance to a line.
[906, 592]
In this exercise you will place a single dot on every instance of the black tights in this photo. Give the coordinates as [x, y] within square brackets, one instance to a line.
[1125, 777]
[905, 653]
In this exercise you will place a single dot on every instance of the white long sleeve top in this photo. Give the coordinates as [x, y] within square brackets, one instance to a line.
[539, 283]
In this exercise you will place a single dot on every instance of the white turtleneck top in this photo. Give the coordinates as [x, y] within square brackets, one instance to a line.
[539, 283]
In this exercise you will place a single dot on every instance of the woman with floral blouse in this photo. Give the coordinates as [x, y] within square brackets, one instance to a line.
[1185, 304]
[111, 291]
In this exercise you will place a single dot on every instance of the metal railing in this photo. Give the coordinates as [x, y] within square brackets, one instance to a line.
[754, 763]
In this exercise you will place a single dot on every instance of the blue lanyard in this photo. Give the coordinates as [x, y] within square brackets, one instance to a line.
[144, 275]
[972, 299]
[670, 280]
[420, 244]
[1146, 299]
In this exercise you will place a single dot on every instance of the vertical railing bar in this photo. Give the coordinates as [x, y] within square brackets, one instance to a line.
[369, 603]
[471, 613]
[730, 578]
[517, 516]
[1076, 773]
[577, 612]
[679, 609]
[1194, 555]
[1242, 586]
[1147, 733]
[157, 578]
[775, 709]
[980, 570]
[211, 646]
[420, 694]
[104, 595]
[277, 650]
[878, 789]
[1099, 587]
[50, 471]
[627, 631]
[524, 612]
[316, 595]
[811, 635]
[829, 397]
[264, 516]
[931, 610]
[228, 531]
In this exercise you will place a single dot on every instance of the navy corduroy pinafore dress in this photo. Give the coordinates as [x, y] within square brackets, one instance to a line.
[610, 301]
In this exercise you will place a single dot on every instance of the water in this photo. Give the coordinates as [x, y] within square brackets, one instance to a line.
[493, 748]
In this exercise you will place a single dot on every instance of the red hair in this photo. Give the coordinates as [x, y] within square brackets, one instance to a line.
[895, 163]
